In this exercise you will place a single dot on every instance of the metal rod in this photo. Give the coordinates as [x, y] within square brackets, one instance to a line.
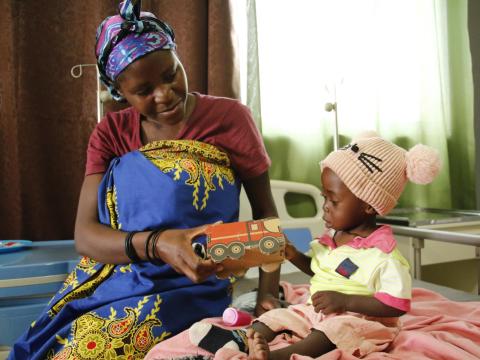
[77, 71]
[333, 107]
[419, 235]
[99, 102]
[418, 245]
[335, 138]
[450, 211]
[437, 235]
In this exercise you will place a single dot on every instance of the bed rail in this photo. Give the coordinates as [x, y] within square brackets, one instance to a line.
[419, 236]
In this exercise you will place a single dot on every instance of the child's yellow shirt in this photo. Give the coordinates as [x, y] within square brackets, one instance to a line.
[365, 266]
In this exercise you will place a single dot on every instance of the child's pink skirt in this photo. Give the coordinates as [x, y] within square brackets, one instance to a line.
[353, 333]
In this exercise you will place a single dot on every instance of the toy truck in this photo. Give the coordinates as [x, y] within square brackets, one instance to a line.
[241, 245]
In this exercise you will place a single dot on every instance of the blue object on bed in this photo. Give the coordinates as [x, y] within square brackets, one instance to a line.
[28, 279]
[300, 237]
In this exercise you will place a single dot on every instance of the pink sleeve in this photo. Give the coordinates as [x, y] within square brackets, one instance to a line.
[393, 284]
[397, 303]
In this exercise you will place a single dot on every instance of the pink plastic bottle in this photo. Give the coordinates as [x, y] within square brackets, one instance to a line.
[234, 317]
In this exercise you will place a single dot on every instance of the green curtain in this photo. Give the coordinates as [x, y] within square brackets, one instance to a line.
[460, 143]
[400, 67]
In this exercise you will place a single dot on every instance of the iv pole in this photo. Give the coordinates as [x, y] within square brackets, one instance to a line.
[333, 107]
[77, 71]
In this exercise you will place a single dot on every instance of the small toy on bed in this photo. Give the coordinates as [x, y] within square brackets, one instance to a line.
[245, 244]
[234, 317]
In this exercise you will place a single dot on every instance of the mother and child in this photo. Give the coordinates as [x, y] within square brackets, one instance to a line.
[157, 173]
[173, 162]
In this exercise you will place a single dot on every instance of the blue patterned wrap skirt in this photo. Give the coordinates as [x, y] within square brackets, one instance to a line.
[106, 311]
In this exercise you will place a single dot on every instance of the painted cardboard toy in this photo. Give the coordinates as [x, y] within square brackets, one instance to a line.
[245, 244]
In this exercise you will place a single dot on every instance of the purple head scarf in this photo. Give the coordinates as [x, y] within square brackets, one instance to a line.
[124, 38]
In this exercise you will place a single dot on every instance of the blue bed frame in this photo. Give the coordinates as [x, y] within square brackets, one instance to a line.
[28, 279]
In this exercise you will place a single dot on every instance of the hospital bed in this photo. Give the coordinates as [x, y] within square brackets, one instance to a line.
[28, 278]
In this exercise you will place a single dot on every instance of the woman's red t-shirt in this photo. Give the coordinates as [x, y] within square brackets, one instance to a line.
[223, 122]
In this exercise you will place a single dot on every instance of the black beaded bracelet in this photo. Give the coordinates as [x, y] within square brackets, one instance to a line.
[130, 249]
[150, 247]
[154, 246]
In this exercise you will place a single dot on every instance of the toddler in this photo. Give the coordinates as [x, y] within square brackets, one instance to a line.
[360, 282]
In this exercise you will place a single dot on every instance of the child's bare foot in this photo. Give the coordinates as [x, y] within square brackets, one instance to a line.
[257, 346]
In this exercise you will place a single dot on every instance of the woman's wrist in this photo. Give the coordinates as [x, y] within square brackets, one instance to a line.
[144, 245]
[138, 241]
[130, 250]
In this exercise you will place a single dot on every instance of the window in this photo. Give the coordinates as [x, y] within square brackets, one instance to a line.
[400, 67]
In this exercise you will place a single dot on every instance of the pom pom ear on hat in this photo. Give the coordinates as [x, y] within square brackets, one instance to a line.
[423, 164]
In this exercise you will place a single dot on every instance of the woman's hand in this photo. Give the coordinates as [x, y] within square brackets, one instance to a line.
[175, 248]
[329, 302]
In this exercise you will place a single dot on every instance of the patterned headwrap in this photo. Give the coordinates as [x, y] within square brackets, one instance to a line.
[124, 38]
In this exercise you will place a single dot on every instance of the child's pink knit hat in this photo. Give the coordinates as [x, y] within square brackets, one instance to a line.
[376, 171]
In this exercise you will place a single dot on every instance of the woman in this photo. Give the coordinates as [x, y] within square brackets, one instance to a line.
[157, 174]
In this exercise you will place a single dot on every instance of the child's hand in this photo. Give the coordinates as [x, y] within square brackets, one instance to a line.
[329, 302]
[290, 250]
